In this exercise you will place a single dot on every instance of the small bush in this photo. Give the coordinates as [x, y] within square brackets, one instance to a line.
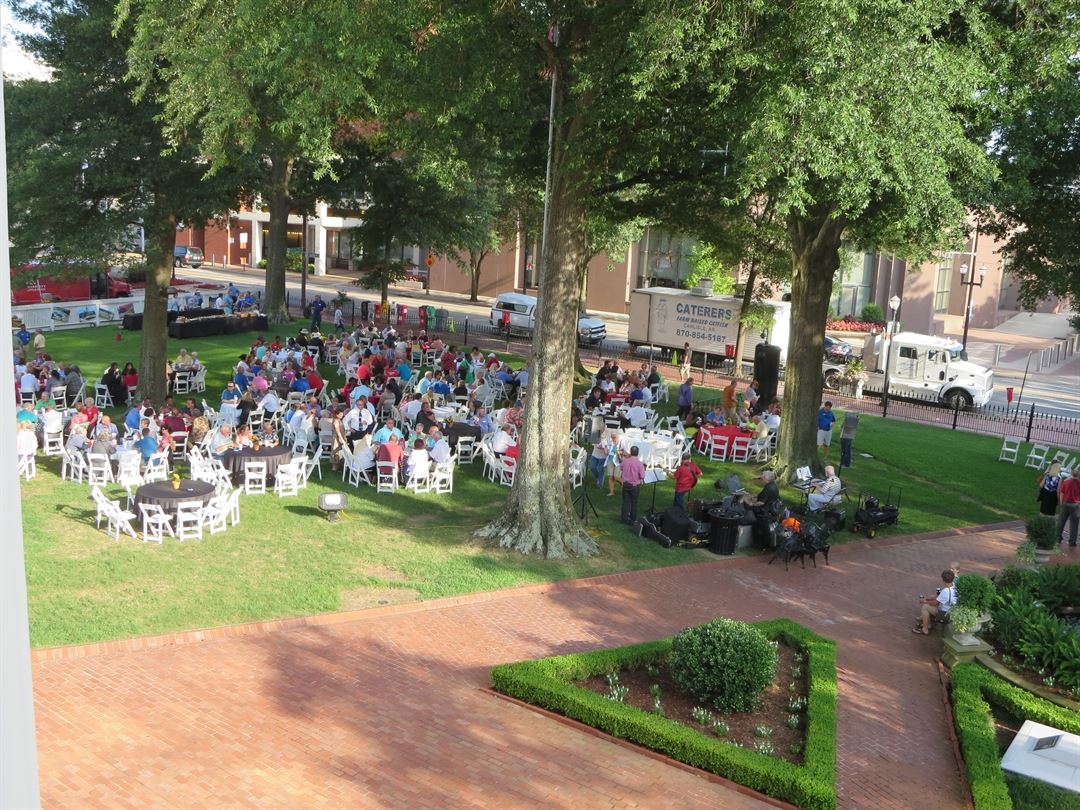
[1014, 578]
[723, 663]
[974, 591]
[873, 313]
[1042, 531]
[1058, 586]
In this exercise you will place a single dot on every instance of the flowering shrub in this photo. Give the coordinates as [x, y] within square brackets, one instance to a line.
[845, 325]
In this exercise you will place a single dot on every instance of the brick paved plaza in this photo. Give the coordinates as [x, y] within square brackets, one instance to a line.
[386, 708]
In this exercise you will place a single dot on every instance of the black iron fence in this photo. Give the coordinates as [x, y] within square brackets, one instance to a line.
[1026, 422]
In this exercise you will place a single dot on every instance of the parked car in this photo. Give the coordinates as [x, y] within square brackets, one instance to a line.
[518, 312]
[187, 256]
[836, 349]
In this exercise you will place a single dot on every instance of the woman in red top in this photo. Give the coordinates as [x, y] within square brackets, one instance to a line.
[130, 376]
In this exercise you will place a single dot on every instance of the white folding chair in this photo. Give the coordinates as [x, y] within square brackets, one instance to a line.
[314, 464]
[198, 382]
[506, 470]
[386, 479]
[182, 382]
[180, 440]
[1037, 457]
[28, 466]
[1060, 457]
[740, 449]
[54, 443]
[99, 469]
[102, 397]
[73, 467]
[189, 521]
[101, 504]
[157, 467]
[442, 477]
[215, 514]
[27, 398]
[287, 480]
[1010, 449]
[233, 505]
[59, 396]
[705, 446]
[155, 523]
[254, 477]
[419, 479]
[719, 447]
[119, 520]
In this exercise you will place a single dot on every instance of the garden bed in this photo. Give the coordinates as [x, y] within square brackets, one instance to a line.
[569, 685]
[766, 728]
[988, 712]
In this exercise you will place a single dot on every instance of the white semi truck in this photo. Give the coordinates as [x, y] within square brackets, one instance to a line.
[669, 318]
[921, 367]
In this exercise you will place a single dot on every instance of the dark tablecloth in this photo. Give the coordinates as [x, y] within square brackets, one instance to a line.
[134, 322]
[233, 460]
[163, 494]
[217, 325]
[459, 429]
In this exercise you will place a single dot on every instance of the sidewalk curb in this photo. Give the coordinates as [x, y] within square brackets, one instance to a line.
[92, 649]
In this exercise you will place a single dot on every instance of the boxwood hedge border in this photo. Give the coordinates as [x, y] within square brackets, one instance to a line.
[547, 682]
[973, 689]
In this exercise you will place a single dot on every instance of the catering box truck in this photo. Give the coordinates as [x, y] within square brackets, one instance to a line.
[669, 318]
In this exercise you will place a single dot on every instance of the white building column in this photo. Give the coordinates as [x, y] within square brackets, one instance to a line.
[256, 241]
[18, 743]
[319, 247]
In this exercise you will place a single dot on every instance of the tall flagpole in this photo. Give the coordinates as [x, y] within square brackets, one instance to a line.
[18, 746]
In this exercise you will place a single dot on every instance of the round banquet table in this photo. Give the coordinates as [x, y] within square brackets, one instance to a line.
[461, 429]
[731, 431]
[162, 494]
[233, 460]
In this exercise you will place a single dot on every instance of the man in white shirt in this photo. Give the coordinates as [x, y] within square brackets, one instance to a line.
[822, 494]
[772, 416]
[502, 441]
[411, 408]
[270, 402]
[424, 384]
[937, 605]
[28, 383]
[440, 450]
[296, 420]
[636, 415]
[52, 421]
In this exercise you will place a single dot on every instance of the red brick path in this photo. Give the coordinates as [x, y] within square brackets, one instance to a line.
[385, 709]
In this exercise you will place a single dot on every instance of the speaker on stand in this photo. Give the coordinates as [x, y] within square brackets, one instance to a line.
[767, 370]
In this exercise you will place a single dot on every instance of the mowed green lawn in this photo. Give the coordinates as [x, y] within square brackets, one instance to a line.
[284, 559]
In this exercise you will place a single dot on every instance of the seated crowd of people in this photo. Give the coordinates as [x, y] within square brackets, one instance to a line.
[385, 411]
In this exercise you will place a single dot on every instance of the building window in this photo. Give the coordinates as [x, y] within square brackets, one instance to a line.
[856, 282]
[943, 286]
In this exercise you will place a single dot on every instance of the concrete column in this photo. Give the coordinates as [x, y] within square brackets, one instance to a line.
[256, 242]
[320, 239]
[18, 743]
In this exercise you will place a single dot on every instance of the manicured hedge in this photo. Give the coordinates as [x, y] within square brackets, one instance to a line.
[548, 683]
[972, 687]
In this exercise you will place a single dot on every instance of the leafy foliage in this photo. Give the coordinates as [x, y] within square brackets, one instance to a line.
[975, 591]
[1042, 531]
[705, 263]
[873, 313]
[723, 663]
[548, 683]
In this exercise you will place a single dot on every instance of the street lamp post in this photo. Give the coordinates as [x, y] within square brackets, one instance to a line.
[970, 283]
[894, 304]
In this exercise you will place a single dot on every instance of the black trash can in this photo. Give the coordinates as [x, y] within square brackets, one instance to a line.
[723, 532]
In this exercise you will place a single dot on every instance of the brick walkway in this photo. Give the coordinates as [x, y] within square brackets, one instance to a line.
[384, 709]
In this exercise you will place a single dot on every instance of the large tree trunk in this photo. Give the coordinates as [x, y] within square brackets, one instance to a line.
[815, 256]
[161, 239]
[740, 336]
[280, 175]
[539, 516]
[474, 276]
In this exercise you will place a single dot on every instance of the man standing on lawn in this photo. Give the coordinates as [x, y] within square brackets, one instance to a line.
[728, 403]
[317, 307]
[825, 420]
[1069, 498]
[686, 478]
[632, 472]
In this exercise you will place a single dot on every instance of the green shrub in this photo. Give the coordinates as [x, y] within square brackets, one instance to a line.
[972, 686]
[974, 591]
[1042, 531]
[1031, 794]
[873, 313]
[548, 683]
[1015, 577]
[723, 663]
[1010, 616]
[1058, 586]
